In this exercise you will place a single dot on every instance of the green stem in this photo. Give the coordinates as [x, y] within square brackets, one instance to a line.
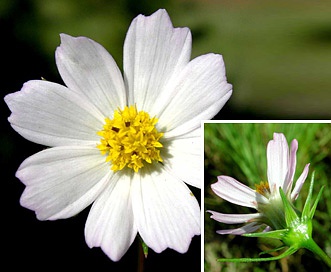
[312, 246]
[141, 259]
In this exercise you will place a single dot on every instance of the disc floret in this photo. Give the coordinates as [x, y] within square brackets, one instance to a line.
[130, 139]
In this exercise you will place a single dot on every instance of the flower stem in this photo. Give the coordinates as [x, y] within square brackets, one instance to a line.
[312, 246]
[141, 259]
[142, 255]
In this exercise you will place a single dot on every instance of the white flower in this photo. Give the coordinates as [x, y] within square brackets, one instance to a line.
[125, 145]
[266, 198]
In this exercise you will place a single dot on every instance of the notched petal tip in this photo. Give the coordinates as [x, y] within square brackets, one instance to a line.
[157, 15]
[66, 39]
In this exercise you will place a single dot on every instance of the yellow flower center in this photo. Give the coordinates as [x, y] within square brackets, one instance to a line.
[263, 188]
[129, 139]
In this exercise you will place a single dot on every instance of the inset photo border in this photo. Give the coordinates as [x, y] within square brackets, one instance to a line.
[245, 163]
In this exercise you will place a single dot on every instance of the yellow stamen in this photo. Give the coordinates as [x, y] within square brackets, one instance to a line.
[129, 139]
[263, 188]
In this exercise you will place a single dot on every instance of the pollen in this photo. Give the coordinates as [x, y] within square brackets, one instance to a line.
[130, 139]
[263, 188]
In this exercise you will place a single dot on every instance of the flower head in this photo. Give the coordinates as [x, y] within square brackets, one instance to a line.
[126, 144]
[273, 200]
[266, 199]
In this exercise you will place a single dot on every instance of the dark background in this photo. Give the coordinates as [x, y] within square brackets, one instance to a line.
[30, 34]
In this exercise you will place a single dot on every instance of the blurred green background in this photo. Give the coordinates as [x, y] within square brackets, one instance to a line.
[277, 56]
[277, 53]
[239, 150]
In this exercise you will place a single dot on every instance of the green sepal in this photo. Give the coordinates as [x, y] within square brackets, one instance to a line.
[308, 212]
[313, 209]
[306, 208]
[144, 247]
[291, 216]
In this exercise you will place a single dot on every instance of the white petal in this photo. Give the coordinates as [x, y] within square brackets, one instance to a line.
[277, 160]
[166, 212]
[183, 158]
[87, 68]
[235, 192]
[301, 180]
[62, 181]
[197, 93]
[249, 228]
[154, 51]
[49, 114]
[291, 167]
[268, 228]
[110, 224]
[233, 218]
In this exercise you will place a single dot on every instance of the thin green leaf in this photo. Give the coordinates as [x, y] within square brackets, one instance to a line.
[271, 250]
[286, 253]
[275, 234]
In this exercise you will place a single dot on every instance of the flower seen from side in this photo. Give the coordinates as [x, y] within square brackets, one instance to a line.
[128, 144]
[274, 202]
[266, 199]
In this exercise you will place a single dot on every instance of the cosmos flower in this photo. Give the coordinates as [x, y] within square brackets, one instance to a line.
[127, 144]
[266, 199]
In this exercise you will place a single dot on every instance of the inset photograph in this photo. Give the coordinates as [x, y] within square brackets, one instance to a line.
[267, 196]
